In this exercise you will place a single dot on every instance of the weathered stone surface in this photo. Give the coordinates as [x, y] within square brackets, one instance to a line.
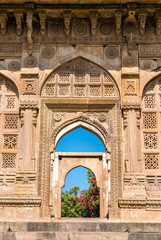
[96, 65]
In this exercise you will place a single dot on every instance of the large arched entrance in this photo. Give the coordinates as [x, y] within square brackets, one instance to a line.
[80, 94]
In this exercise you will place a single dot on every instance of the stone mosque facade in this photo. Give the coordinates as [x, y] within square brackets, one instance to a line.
[90, 64]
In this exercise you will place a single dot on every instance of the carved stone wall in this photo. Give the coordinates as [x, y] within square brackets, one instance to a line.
[96, 66]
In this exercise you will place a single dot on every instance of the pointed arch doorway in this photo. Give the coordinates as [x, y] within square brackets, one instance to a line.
[64, 162]
[79, 93]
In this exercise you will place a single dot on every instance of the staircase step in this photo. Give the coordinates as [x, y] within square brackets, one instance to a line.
[63, 236]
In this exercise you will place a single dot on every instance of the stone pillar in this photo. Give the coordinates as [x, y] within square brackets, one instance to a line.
[28, 115]
[132, 140]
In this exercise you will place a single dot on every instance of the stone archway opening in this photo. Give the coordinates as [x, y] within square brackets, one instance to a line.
[82, 199]
[64, 162]
[79, 93]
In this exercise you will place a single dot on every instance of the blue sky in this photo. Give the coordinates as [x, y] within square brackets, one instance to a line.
[79, 140]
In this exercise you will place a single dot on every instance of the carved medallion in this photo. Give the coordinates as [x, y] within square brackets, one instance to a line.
[131, 27]
[80, 29]
[48, 52]
[54, 14]
[146, 66]
[55, 28]
[14, 66]
[30, 62]
[111, 52]
[149, 28]
[102, 117]
[105, 28]
[129, 61]
[57, 117]
[11, 28]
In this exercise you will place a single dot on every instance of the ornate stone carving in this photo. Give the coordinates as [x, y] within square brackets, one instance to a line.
[142, 21]
[29, 87]
[55, 28]
[28, 104]
[118, 19]
[95, 91]
[8, 160]
[158, 23]
[79, 79]
[48, 52]
[10, 102]
[150, 140]
[149, 101]
[20, 202]
[129, 61]
[3, 22]
[131, 27]
[79, 91]
[105, 28]
[11, 28]
[111, 52]
[80, 29]
[10, 142]
[57, 117]
[42, 15]
[149, 28]
[19, 18]
[150, 50]
[30, 62]
[109, 90]
[9, 50]
[149, 120]
[102, 117]
[132, 203]
[151, 161]
[14, 66]
[67, 22]
[29, 31]
[146, 65]
[11, 122]
[130, 87]
[94, 21]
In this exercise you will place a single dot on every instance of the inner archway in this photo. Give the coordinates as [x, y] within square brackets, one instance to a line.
[79, 147]
[82, 200]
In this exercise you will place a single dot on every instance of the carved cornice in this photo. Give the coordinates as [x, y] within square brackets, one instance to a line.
[148, 204]
[132, 203]
[20, 202]
[130, 106]
[28, 104]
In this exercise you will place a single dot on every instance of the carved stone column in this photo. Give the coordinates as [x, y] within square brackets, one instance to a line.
[28, 115]
[131, 118]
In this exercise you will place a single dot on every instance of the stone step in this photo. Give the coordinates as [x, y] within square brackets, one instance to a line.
[80, 226]
[63, 236]
[78, 236]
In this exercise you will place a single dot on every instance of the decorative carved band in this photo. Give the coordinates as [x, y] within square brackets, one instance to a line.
[149, 204]
[28, 104]
[20, 202]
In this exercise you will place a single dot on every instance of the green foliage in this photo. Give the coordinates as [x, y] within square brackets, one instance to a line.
[84, 203]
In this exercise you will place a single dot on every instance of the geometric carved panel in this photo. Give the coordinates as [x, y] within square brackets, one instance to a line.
[130, 87]
[10, 102]
[10, 142]
[8, 160]
[149, 101]
[150, 140]
[11, 121]
[29, 86]
[79, 78]
[151, 161]
[149, 120]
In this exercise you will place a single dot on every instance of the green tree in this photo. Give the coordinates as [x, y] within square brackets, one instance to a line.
[82, 204]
